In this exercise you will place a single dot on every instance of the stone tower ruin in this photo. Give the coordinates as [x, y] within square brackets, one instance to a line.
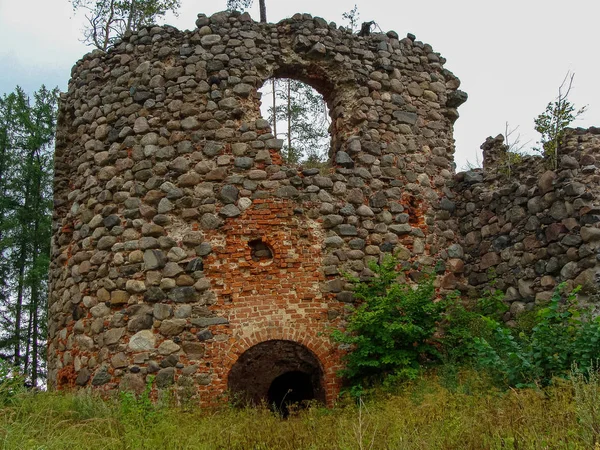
[185, 249]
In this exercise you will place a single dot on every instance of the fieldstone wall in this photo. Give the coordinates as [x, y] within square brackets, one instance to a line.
[525, 228]
[181, 240]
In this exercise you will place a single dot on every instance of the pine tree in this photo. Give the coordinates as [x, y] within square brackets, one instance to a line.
[303, 112]
[26, 138]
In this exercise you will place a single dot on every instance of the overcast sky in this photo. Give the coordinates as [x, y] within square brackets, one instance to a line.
[511, 55]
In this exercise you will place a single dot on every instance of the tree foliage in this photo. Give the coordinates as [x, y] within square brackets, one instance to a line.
[353, 17]
[563, 336]
[242, 5]
[109, 20]
[302, 113]
[26, 154]
[552, 123]
[391, 330]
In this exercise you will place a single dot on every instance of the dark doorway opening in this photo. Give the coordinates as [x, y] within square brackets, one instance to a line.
[290, 390]
[283, 374]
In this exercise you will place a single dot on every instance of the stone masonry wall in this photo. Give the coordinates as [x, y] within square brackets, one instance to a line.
[525, 229]
[181, 240]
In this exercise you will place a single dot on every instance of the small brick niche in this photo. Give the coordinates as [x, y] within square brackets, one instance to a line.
[260, 251]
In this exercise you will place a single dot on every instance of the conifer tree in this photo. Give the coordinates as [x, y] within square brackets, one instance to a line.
[26, 151]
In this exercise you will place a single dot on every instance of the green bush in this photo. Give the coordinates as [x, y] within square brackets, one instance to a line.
[391, 330]
[465, 321]
[563, 335]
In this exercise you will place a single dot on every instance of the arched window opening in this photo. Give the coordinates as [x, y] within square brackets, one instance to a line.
[298, 115]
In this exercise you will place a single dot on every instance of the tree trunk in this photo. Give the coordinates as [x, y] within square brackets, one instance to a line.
[130, 17]
[27, 357]
[289, 118]
[274, 108]
[19, 303]
[263, 11]
[35, 335]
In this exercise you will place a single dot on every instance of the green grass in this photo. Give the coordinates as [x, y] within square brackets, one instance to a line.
[450, 411]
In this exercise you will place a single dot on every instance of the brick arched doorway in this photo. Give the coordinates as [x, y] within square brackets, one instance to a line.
[277, 372]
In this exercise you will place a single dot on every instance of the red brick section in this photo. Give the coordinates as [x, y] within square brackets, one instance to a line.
[274, 299]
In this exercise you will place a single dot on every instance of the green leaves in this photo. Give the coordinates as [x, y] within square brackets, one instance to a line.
[109, 20]
[303, 114]
[391, 330]
[563, 335]
[26, 155]
[553, 122]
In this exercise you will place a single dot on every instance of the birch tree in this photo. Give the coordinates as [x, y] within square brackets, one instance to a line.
[109, 20]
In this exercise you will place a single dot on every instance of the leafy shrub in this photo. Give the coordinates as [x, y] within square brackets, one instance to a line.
[463, 322]
[553, 122]
[391, 330]
[563, 335]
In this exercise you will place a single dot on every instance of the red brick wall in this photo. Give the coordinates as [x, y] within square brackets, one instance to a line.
[278, 299]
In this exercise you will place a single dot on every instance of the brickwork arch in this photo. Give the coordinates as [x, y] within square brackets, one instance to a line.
[255, 369]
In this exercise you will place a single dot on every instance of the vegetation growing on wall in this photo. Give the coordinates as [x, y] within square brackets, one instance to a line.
[392, 332]
[553, 122]
[109, 20]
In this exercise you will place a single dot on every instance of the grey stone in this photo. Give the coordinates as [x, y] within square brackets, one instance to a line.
[203, 249]
[473, 177]
[172, 327]
[400, 229]
[154, 294]
[101, 377]
[406, 117]
[590, 234]
[343, 159]
[142, 341]
[165, 377]
[287, 192]
[83, 377]
[167, 347]
[203, 322]
[347, 230]
[230, 211]
[209, 221]
[333, 242]
[455, 251]
[568, 162]
[546, 181]
[106, 242]
[243, 162]
[183, 294]
[154, 259]
[570, 270]
[229, 194]
[162, 311]
[332, 220]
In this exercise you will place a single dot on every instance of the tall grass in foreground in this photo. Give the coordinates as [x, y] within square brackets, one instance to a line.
[434, 412]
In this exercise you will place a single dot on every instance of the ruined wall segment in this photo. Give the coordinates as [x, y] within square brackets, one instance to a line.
[181, 240]
[525, 228]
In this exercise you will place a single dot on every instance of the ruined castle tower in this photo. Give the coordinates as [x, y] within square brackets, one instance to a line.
[185, 249]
